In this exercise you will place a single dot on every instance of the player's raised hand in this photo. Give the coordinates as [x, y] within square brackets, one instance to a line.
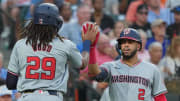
[90, 32]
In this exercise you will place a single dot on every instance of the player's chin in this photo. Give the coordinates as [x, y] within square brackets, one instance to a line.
[126, 53]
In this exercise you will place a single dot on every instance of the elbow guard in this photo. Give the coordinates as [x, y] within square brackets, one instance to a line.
[11, 81]
[102, 76]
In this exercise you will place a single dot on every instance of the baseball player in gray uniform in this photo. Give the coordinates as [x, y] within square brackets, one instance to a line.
[38, 63]
[129, 78]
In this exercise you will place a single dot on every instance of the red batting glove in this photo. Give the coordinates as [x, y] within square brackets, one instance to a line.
[85, 28]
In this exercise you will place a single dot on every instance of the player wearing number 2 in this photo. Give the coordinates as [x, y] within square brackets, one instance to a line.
[38, 63]
[130, 79]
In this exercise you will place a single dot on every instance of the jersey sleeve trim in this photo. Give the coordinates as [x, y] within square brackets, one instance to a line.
[162, 92]
[104, 69]
[12, 73]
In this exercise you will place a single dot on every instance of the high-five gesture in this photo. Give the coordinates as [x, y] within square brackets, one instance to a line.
[90, 32]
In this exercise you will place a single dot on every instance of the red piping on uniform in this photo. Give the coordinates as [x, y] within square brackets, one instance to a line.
[12, 73]
[161, 93]
[138, 63]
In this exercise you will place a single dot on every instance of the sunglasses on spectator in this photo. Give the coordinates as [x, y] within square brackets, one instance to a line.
[146, 13]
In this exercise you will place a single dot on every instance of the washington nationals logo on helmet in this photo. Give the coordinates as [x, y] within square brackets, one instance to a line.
[126, 31]
[40, 21]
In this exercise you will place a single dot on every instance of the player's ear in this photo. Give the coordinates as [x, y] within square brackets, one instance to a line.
[139, 47]
[118, 48]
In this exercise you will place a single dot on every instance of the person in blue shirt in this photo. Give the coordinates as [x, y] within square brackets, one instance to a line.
[3, 75]
[3, 71]
[159, 34]
[157, 12]
[72, 30]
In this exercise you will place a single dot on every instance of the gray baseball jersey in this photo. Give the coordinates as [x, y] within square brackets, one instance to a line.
[140, 82]
[44, 67]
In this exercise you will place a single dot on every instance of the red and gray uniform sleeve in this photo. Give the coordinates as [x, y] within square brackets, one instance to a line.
[158, 86]
[74, 56]
[13, 69]
[13, 66]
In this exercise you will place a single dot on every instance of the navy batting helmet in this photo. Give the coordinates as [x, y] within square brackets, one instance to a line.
[47, 14]
[131, 34]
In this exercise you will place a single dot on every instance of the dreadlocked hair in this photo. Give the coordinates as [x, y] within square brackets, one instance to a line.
[39, 34]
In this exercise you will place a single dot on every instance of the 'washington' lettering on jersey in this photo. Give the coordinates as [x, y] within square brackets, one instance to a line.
[139, 82]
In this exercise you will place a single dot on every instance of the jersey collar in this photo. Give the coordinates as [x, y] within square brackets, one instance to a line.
[139, 61]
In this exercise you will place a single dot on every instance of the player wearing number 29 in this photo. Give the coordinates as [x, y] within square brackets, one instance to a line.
[38, 63]
[130, 79]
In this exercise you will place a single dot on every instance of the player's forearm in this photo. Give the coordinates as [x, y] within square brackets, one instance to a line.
[93, 68]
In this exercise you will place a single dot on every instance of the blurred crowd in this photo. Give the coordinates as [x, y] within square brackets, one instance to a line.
[157, 21]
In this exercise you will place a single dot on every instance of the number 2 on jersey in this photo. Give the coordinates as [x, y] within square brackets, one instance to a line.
[44, 66]
[141, 94]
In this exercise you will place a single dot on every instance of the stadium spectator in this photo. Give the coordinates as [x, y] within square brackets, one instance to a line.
[159, 30]
[17, 9]
[123, 6]
[144, 53]
[141, 20]
[171, 62]
[105, 22]
[3, 75]
[20, 10]
[155, 51]
[74, 7]
[66, 13]
[117, 29]
[163, 3]
[7, 5]
[87, 2]
[72, 31]
[3, 71]
[131, 12]
[174, 29]
[5, 94]
[104, 50]
[157, 12]
[172, 3]
[111, 7]
[1, 21]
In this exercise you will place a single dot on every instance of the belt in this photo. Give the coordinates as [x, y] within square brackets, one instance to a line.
[51, 92]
